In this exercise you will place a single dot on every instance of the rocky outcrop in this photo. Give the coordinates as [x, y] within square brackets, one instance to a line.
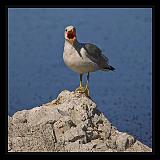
[70, 123]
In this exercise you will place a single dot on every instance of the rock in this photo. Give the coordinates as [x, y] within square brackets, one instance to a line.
[122, 142]
[138, 147]
[70, 123]
[72, 147]
[101, 146]
[74, 134]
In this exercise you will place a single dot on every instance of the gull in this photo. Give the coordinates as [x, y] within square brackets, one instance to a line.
[83, 58]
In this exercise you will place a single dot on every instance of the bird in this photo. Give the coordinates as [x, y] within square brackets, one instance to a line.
[83, 58]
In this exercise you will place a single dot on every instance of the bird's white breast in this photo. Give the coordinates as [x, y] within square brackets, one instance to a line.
[78, 62]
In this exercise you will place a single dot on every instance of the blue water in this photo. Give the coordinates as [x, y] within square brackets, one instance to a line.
[37, 73]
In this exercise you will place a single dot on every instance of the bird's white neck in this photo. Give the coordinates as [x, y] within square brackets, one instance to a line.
[76, 44]
[75, 41]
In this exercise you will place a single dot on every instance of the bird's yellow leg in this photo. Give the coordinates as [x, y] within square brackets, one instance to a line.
[86, 91]
[80, 89]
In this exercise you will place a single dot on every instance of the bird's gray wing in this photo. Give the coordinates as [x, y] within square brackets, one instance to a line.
[95, 54]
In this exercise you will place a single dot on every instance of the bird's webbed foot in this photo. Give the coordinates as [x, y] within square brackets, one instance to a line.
[80, 89]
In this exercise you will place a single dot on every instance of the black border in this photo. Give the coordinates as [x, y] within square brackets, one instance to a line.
[47, 4]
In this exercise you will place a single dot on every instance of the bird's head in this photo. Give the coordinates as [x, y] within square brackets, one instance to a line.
[70, 34]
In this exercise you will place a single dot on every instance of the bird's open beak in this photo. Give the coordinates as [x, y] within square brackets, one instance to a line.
[72, 40]
[71, 35]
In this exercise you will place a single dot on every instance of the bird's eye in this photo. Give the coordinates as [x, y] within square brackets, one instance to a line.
[66, 30]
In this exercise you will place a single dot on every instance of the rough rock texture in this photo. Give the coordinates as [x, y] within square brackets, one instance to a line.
[70, 123]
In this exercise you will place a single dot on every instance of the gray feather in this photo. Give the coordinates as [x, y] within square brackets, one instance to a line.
[95, 54]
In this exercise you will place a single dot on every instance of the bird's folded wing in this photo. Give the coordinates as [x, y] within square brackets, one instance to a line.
[95, 54]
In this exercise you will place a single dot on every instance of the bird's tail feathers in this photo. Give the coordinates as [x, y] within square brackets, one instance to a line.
[108, 68]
